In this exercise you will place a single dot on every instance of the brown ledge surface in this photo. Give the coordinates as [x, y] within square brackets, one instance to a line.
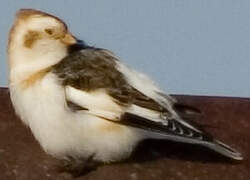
[227, 118]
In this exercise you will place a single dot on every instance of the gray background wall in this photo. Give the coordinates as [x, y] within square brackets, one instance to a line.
[187, 46]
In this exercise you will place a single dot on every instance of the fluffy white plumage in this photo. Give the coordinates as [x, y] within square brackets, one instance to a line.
[39, 41]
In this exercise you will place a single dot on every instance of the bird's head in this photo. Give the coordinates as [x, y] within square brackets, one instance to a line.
[37, 40]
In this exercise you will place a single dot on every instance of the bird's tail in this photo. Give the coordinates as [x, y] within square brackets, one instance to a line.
[214, 145]
[224, 149]
[180, 131]
[210, 143]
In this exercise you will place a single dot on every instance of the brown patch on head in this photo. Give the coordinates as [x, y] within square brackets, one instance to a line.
[31, 80]
[24, 14]
[30, 38]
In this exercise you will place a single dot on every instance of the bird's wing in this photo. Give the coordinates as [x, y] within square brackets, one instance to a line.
[97, 76]
[97, 83]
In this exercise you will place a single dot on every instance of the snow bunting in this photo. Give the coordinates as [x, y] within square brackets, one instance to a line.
[81, 101]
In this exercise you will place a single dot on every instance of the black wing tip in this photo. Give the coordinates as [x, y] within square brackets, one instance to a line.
[225, 150]
[159, 131]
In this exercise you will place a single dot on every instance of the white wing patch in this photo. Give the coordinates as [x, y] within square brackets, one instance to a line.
[146, 113]
[98, 103]
[145, 85]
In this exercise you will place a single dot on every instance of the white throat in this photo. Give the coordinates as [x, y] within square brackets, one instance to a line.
[24, 62]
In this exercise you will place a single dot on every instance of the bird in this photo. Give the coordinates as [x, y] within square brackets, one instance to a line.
[83, 104]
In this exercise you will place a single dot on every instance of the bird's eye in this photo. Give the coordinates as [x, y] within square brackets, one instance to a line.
[49, 31]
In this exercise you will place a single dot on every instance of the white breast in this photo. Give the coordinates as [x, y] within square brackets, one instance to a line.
[42, 108]
[62, 132]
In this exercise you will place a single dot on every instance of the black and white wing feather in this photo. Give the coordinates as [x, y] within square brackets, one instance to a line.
[97, 82]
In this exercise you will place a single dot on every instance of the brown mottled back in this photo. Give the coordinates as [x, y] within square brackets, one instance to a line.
[92, 69]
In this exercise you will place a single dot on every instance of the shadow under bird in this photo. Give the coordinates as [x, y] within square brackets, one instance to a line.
[82, 103]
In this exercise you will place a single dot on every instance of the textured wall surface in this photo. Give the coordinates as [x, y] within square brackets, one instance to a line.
[187, 46]
[21, 158]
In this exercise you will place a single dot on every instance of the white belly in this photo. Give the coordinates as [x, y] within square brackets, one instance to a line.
[62, 132]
